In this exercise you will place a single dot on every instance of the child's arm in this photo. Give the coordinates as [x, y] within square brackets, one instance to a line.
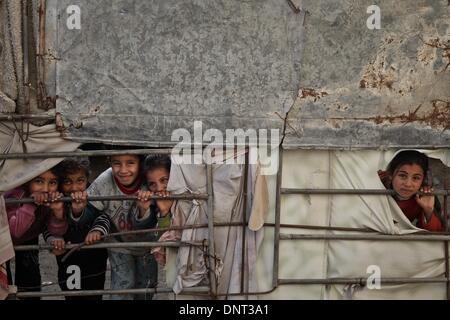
[143, 214]
[57, 242]
[57, 224]
[101, 227]
[20, 217]
[430, 219]
[78, 205]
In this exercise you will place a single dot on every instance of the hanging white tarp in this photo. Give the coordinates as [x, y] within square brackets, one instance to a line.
[319, 259]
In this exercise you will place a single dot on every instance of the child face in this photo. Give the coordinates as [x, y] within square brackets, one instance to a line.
[125, 168]
[46, 182]
[157, 179]
[74, 182]
[407, 180]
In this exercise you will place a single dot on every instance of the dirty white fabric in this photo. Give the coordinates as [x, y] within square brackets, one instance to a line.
[14, 173]
[228, 184]
[318, 259]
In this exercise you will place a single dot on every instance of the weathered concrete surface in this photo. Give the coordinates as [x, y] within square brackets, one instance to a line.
[137, 70]
[373, 88]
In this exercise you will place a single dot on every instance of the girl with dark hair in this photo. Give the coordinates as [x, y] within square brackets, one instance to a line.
[28, 221]
[407, 174]
[156, 172]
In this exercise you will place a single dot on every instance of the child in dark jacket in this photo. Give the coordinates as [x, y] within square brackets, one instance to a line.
[406, 175]
[74, 175]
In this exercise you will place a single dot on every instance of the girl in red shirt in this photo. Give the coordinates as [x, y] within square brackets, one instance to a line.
[406, 175]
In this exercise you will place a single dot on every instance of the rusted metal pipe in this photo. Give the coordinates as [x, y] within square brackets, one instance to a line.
[374, 237]
[276, 244]
[446, 243]
[41, 65]
[91, 153]
[118, 198]
[211, 247]
[11, 117]
[78, 293]
[354, 191]
[244, 223]
[361, 281]
[173, 244]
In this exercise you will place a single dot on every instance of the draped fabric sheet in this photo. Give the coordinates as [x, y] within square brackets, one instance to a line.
[228, 186]
[15, 172]
[319, 259]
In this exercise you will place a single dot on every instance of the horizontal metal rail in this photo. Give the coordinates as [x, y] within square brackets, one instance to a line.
[10, 117]
[355, 191]
[115, 245]
[90, 153]
[201, 196]
[193, 290]
[375, 237]
[362, 281]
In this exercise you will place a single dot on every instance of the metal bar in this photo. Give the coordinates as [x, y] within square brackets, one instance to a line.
[311, 227]
[77, 293]
[348, 147]
[113, 245]
[446, 243]
[244, 221]
[211, 247]
[375, 237]
[41, 61]
[362, 281]
[118, 197]
[11, 117]
[26, 51]
[276, 244]
[355, 191]
[304, 226]
[91, 153]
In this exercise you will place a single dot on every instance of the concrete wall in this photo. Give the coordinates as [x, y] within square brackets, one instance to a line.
[383, 87]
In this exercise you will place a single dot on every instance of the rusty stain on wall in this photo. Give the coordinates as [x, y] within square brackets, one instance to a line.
[310, 92]
[440, 44]
[437, 117]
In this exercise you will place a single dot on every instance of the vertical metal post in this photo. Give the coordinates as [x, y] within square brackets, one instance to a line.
[244, 220]
[211, 247]
[276, 246]
[446, 253]
[41, 56]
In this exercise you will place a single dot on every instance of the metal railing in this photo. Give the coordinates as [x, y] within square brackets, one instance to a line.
[276, 281]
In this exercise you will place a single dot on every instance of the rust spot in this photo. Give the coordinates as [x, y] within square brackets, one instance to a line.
[310, 92]
[376, 77]
[441, 44]
[439, 116]
[362, 84]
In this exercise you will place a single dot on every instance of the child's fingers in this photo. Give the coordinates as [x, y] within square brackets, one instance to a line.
[93, 237]
[39, 198]
[144, 195]
[58, 244]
